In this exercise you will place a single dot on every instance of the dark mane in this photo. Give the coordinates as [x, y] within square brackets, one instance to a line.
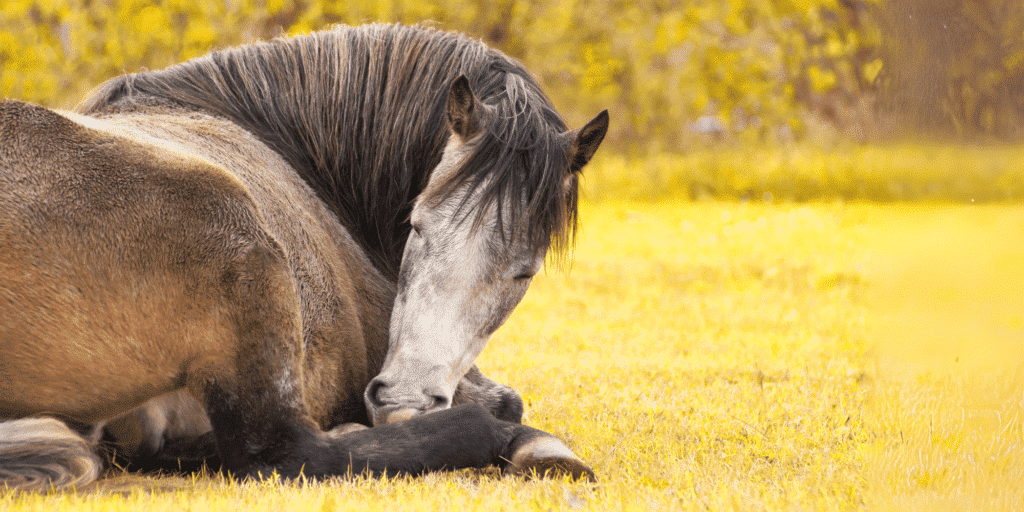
[359, 114]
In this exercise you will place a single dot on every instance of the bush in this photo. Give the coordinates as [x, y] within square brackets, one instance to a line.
[750, 66]
[676, 75]
[956, 68]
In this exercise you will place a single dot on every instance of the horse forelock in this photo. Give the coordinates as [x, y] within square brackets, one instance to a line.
[358, 112]
[519, 164]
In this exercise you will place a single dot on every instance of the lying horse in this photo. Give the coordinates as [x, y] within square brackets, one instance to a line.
[293, 236]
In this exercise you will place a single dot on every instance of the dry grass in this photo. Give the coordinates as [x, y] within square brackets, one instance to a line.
[740, 357]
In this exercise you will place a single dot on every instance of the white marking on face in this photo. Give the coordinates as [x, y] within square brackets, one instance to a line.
[457, 285]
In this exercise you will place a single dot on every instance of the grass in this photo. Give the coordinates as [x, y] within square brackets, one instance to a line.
[949, 352]
[736, 356]
[806, 172]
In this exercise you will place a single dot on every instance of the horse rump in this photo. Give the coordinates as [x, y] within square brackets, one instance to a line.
[38, 454]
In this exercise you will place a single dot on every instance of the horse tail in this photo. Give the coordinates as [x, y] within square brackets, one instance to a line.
[44, 453]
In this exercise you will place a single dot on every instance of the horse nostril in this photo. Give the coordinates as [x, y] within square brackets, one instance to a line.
[438, 402]
[372, 394]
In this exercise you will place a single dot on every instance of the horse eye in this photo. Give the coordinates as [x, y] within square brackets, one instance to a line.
[416, 229]
[523, 277]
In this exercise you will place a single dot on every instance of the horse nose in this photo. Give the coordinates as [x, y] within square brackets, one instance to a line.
[373, 393]
[387, 403]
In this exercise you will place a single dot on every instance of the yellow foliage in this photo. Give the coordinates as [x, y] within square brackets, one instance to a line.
[657, 66]
[872, 69]
[822, 80]
[753, 68]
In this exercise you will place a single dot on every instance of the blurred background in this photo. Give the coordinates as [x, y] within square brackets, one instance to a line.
[741, 99]
[677, 75]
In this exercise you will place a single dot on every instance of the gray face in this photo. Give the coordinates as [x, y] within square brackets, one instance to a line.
[458, 283]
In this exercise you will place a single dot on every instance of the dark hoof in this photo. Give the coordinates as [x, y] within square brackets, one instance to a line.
[547, 457]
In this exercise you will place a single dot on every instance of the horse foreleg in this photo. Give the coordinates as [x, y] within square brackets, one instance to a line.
[461, 437]
[502, 401]
[172, 433]
[254, 396]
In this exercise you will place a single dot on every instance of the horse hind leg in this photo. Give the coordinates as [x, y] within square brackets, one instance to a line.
[44, 453]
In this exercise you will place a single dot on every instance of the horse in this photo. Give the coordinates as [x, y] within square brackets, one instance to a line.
[276, 246]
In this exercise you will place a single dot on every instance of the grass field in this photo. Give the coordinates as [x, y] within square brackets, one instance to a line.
[737, 356]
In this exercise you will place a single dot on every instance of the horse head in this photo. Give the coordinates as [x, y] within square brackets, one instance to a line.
[503, 194]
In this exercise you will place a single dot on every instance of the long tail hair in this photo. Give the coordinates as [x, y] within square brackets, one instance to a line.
[44, 453]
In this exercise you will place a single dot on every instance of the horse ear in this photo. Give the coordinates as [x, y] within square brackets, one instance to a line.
[587, 140]
[463, 109]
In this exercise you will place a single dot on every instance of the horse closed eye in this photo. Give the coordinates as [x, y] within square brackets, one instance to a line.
[526, 276]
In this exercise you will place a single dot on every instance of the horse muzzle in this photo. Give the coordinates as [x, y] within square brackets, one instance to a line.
[390, 401]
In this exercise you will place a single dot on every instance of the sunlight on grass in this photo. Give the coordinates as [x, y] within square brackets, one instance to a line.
[899, 172]
[701, 355]
[950, 351]
[735, 356]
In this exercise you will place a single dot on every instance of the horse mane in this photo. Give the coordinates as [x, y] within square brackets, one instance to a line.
[359, 113]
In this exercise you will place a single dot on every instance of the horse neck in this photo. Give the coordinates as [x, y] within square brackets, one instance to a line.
[377, 298]
[357, 112]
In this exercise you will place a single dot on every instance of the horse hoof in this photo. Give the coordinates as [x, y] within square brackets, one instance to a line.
[548, 457]
[346, 428]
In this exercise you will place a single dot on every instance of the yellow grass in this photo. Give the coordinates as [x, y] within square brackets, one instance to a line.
[732, 356]
[805, 171]
[949, 343]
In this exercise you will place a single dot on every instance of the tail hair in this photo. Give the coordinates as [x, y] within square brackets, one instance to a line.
[40, 454]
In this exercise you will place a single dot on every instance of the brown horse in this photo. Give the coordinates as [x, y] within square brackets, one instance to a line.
[239, 243]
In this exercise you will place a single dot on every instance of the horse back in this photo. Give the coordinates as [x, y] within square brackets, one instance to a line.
[115, 255]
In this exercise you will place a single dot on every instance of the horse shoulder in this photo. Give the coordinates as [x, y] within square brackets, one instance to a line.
[344, 302]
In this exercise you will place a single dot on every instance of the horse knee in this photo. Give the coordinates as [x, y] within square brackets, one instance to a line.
[503, 402]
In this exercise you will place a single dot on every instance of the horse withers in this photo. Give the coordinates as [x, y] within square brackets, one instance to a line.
[244, 240]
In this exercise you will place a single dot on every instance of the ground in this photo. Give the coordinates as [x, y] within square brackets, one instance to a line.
[736, 355]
